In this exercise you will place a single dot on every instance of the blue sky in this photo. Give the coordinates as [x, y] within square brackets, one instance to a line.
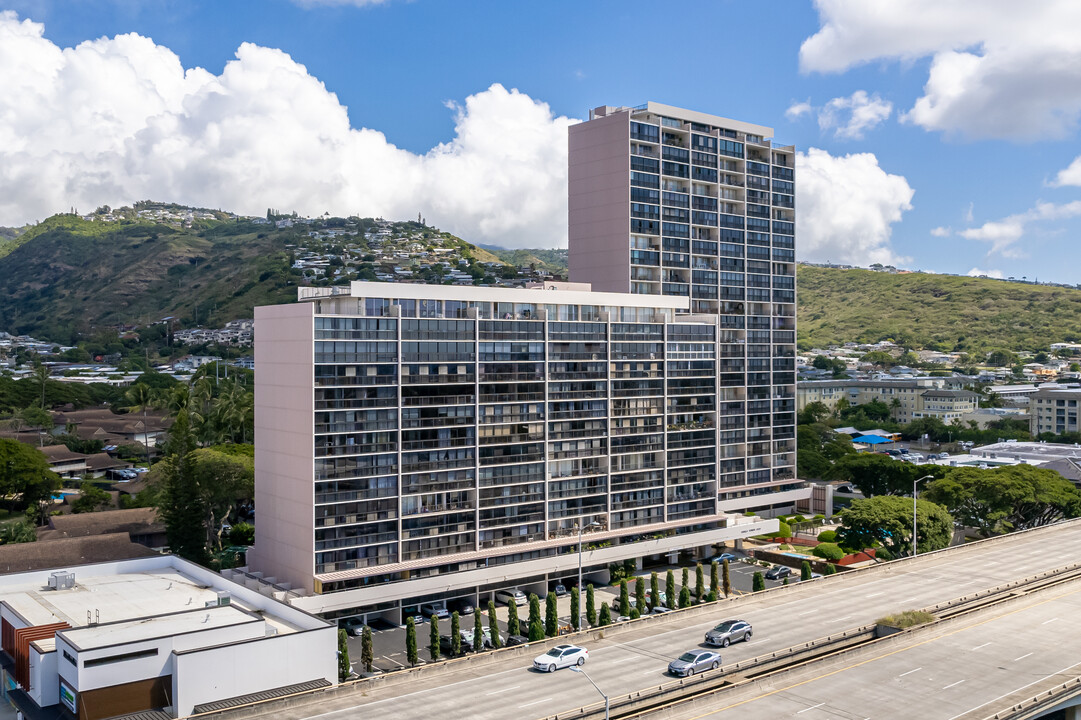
[936, 135]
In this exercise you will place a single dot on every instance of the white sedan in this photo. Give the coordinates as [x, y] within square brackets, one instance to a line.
[561, 656]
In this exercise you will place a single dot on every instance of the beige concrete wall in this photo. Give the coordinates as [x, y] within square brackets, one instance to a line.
[284, 444]
[598, 208]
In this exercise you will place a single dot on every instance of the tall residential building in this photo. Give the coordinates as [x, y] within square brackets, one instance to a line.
[674, 203]
[417, 443]
[1053, 408]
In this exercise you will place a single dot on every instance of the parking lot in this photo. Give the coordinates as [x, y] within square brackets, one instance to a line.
[388, 641]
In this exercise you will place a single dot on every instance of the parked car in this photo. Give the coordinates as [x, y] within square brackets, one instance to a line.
[515, 597]
[943, 455]
[729, 631]
[561, 656]
[662, 597]
[417, 619]
[903, 451]
[694, 661]
[916, 457]
[464, 606]
[721, 558]
[894, 453]
[487, 631]
[561, 590]
[466, 646]
[429, 610]
[352, 626]
[660, 610]
[516, 640]
[632, 598]
[778, 571]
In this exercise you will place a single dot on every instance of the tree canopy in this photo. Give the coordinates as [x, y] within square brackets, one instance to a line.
[25, 478]
[887, 520]
[1013, 497]
[875, 474]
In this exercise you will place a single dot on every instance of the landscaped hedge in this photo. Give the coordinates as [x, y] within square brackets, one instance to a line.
[827, 536]
[828, 551]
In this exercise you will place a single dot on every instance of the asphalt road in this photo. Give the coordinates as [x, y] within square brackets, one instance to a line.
[637, 659]
[973, 667]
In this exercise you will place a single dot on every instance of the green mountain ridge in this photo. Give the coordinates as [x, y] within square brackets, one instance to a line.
[67, 277]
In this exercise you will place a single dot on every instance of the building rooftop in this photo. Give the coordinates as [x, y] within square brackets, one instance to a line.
[191, 620]
[1029, 450]
[132, 521]
[66, 552]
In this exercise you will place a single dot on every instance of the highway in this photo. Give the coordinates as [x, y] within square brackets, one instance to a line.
[969, 670]
[635, 659]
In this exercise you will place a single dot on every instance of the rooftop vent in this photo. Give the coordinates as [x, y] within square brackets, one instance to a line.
[62, 580]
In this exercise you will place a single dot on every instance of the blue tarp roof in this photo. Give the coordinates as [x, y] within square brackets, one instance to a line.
[871, 439]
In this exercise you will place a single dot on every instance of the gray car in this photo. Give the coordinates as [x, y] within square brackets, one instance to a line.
[694, 661]
[728, 632]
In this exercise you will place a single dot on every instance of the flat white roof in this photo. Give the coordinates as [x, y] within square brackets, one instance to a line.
[195, 620]
[707, 119]
[540, 296]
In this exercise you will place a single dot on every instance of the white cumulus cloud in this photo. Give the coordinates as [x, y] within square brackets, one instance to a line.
[798, 109]
[120, 119]
[1003, 234]
[851, 117]
[976, 272]
[997, 71]
[941, 232]
[847, 208]
[1069, 175]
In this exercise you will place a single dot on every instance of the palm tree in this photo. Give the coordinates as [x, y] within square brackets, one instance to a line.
[41, 374]
[142, 398]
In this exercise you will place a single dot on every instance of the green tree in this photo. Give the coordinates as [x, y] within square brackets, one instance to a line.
[478, 632]
[830, 569]
[1008, 498]
[513, 626]
[624, 598]
[242, 534]
[670, 590]
[576, 610]
[822, 362]
[367, 652]
[140, 398]
[814, 412]
[91, 498]
[433, 639]
[828, 551]
[805, 570]
[640, 594]
[726, 578]
[455, 634]
[26, 481]
[605, 616]
[493, 624]
[536, 625]
[758, 582]
[40, 375]
[699, 583]
[411, 641]
[591, 607]
[654, 591]
[551, 615]
[21, 531]
[344, 666]
[874, 474]
[686, 580]
[887, 520]
[714, 580]
[684, 597]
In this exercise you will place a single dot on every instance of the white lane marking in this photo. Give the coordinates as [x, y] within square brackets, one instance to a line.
[807, 613]
[841, 619]
[910, 671]
[810, 708]
[874, 594]
[981, 646]
[953, 685]
[496, 692]
[1011, 692]
[1023, 657]
[535, 702]
[623, 660]
[1049, 621]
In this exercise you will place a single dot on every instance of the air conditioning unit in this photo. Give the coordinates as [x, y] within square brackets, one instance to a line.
[224, 598]
[62, 580]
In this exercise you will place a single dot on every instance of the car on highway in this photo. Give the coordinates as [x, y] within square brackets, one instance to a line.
[694, 661]
[561, 656]
[778, 571]
[729, 631]
[515, 597]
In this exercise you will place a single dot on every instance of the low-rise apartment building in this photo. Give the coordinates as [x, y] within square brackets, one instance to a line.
[909, 398]
[1053, 409]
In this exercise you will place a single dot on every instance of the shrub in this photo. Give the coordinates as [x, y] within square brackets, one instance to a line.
[478, 632]
[366, 651]
[433, 639]
[243, 534]
[883, 554]
[640, 594]
[605, 616]
[827, 536]
[411, 641]
[551, 616]
[654, 591]
[634, 614]
[591, 608]
[797, 519]
[828, 551]
[906, 619]
[819, 517]
[805, 570]
[455, 634]
[343, 656]
[784, 530]
[493, 624]
[670, 590]
[624, 598]
[758, 583]
[830, 569]
[684, 597]
[576, 609]
[513, 626]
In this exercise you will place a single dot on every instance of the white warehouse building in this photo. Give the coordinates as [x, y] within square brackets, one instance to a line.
[153, 634]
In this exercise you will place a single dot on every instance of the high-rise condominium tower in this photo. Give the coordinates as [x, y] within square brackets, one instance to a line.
[670, 202]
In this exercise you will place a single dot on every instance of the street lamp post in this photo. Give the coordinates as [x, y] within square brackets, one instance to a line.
[914, 483]
[578, 669]
[580, 598]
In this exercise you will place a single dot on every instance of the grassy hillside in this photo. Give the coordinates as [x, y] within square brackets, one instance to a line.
[70, 275]
[554, 260]
[932, 311]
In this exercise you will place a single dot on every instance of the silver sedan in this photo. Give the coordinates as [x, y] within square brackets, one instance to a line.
[694, 661]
